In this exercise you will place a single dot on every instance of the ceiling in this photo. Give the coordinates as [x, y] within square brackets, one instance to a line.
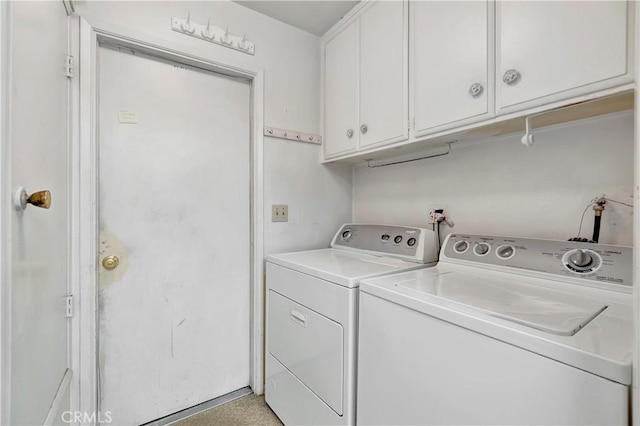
[314, 17]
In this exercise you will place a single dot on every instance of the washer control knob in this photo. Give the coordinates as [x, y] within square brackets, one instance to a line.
[581, 259]
[346, 234]
[385, 237]
[398, 239]
[505, 252]
[481, 249]
[411, 242]
[460, 246]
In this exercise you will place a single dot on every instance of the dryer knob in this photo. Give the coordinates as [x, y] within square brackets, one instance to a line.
[481, 249]
[461, 246]
[505, 252]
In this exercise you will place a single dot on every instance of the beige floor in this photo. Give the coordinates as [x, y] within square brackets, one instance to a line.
[248, 410]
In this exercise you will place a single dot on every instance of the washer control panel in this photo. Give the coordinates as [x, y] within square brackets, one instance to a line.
[413, 244]
[596, 262]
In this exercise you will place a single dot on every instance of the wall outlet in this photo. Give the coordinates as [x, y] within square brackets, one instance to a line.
[279, 213]
[431, 209]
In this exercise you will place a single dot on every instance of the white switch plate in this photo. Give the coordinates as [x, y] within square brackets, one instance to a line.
[279, 213]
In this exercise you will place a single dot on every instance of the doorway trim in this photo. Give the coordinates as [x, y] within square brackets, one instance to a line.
[84, 202]
[6, 212]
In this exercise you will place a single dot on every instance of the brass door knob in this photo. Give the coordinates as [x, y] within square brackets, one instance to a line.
[40, 199]
[110, 262]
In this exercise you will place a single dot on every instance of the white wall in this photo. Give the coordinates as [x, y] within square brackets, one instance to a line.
[319, 198]
[500, 187]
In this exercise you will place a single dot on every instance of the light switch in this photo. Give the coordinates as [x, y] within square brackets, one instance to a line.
[279, 213]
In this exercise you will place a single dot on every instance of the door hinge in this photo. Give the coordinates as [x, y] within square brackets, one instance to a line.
[69, 66]
[69, 306]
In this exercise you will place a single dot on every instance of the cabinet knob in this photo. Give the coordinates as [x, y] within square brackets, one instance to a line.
[350, 133]
[476, 89]
[364, 129]
[511, 76]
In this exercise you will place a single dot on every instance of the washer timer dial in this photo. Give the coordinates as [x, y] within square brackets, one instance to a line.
[582, 261]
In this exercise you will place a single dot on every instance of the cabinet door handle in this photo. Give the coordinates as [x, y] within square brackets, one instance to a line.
[511, 76]
[364, 129]
[350, 133]
[476, 89]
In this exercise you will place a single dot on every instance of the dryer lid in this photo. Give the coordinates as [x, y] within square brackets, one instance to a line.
[541, 308]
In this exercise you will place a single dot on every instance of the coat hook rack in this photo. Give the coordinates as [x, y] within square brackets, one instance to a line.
[212, 34]
[293, 135]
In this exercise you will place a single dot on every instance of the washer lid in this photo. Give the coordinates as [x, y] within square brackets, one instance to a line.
[340, 266]
[537, 307]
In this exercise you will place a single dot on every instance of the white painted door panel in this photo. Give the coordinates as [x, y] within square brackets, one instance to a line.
[39, 238]
[559, 48]
[450, 50]
[383, 74]
[341, 93]
[174, 207]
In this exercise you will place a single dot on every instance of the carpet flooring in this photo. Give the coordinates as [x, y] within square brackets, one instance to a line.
[248, 410]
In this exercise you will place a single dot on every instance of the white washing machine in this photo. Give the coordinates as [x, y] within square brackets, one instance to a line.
[502, 331]
[312, 302]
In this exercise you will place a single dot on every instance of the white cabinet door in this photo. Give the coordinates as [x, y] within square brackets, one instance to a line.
[558, 49]
[341, 93]
[450, 66]
[384, 89]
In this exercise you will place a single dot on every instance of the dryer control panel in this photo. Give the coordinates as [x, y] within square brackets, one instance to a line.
[594, 262]
[407, 243]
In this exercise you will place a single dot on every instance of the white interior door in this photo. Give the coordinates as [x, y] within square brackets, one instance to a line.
[174, 160]
[39, 238]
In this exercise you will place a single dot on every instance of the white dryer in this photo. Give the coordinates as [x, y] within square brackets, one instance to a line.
[502, 331]
[312, 302]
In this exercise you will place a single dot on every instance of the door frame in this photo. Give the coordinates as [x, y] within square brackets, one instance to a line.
[86, 39]
[6, 210]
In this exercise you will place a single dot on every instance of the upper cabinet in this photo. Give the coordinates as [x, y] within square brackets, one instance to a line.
[341, 92]
[463, 65]
[384, 104]
[548, 51]
[366, 81]
[450, 63]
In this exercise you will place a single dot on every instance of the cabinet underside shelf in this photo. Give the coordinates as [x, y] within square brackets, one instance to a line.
[585, 108]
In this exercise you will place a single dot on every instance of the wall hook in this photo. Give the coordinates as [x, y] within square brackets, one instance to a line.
[225, 38]
[211, 33]
[206, 33]
[40, 199]
[527, 139]
[186, 27]
[243, 43]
